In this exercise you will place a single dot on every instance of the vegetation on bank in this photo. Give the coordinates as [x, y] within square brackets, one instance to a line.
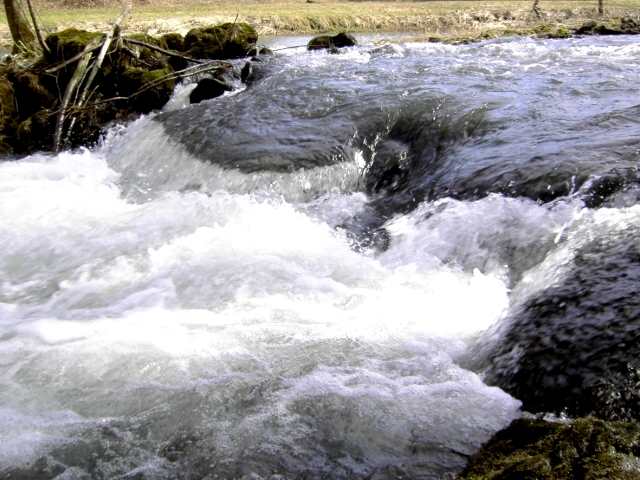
[272, 17]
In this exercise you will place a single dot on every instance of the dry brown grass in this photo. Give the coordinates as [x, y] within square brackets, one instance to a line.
[463, 17]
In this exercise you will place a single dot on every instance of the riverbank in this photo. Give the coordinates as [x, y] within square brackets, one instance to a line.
[284, 17]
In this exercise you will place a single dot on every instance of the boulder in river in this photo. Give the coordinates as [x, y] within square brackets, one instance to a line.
[208, 88]
[539, 450]
[228, 40]
[573, 347]
[329, 42]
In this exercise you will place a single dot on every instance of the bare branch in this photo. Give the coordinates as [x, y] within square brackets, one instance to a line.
[169, 53]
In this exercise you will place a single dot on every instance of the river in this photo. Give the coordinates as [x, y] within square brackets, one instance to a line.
[184, 301]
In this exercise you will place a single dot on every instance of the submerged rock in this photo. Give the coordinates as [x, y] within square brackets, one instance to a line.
[573, 347]
[328, 42]
[587, 448]
[229, 40]
[208, 88]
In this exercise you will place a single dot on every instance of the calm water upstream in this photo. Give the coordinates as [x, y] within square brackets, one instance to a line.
[287, 280]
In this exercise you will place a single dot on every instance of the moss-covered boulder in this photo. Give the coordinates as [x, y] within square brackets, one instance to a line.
[31, 92]
[553, 31]
[68, 43]
[228, 40]
[7, 116]
[36, 132]
[587, 448]
[328, 42]
[152, 89]
[173, 41]
[620, 26]
[7, 105]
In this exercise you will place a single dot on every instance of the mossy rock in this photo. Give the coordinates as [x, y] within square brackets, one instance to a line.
[328, 42]
[5, 146]
[173, 41]
[7, 106]
[546, 30]
[228, 40]
[30, 92]
[36, 132]
[68, 43]
[587, 448]
[132, 80]
[620, 26]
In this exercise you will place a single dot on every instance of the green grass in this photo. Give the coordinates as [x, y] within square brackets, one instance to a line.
[298, 16]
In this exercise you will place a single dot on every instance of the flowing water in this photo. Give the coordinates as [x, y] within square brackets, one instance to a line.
[184, 301]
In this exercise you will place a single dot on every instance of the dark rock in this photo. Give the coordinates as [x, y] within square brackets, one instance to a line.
[208, 88]
[173, 41]
[246, 73]
[622, 26]
[30, 93]
[587, 448]
[134, 80]
[257, 51]
[328, 42]
[255, 70]
[573, 347]
[36, 132]
[229, 40]
[7, 105]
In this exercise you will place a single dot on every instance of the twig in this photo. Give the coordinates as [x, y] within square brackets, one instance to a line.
[73, 59]
[71, 88]
[98, 63]
[185, 73]
[169, 53]
[288, 48]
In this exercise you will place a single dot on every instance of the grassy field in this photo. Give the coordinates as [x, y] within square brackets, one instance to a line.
[273, 17]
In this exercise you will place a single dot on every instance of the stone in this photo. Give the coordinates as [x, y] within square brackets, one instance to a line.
[208, 88]
[173, 41]
[531, 449]
[572, 347]
[225, 41]
[328, 42]
[621, 26]
[68, 43]
[257, 51]
[133, 80]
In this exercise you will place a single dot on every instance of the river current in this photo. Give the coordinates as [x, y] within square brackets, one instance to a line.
[183, 301]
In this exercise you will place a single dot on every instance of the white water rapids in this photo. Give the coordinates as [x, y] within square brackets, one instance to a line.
[136, 312]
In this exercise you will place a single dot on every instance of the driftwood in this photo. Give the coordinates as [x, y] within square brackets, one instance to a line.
[72, 86]
[79, 87]
[211, 66]
[97, 64]
[169, 53]
[73, 59]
